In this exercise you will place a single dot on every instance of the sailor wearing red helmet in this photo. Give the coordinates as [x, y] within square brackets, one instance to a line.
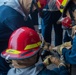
[13, 15]
[69, 22]
[24, 52]
[69, 18]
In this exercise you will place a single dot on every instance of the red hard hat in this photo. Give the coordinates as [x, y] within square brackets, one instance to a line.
[66, 22]
[23, 43]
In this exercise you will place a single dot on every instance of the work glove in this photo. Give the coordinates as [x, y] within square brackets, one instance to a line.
[51, 59]
[45, 50]
[60, 47]
[47, 60]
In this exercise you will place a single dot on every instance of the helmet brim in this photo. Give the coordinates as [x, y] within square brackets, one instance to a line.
[9, 55]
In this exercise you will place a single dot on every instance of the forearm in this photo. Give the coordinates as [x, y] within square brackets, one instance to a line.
[62, 70]
[70, 55]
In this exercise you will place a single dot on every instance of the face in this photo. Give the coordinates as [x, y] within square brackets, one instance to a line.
[26, 4]
[24, 62]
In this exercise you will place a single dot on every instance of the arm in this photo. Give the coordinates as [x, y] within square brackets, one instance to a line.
[61, 69]
[34, 16]
[14, 22]
[70, 55]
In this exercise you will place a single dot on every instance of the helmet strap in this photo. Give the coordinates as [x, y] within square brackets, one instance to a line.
[37, 57]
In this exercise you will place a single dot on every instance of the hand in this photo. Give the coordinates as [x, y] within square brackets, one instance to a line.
[58, 22]
[68, 48]
[60, 47]
[67, 44]
[57, 48]
[47, 60]
[52, 47]
[55, 60]
[50, 59]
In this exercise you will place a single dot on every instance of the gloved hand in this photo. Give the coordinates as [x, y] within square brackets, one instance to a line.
[55, 60]
[47, 60]
[51, 59]
[67, 44]
[60, 47]
[64, 45]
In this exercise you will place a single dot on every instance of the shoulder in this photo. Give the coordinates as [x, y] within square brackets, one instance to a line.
[11, 71]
